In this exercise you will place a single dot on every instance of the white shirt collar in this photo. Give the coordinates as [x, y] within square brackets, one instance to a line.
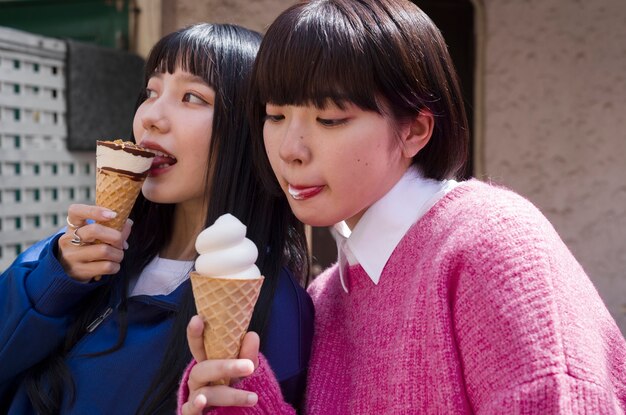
[384, 224]
[161, 277]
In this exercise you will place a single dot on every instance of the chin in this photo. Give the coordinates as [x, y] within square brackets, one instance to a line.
[314, 219]
[154, 196]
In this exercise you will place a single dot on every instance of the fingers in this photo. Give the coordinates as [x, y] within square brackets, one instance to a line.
[195, 338]
[218, 396]
[208, 371]
[250, 348]
[195, 406]
[84, 260]
[201, 394]
[78, 214]
[97, 232]
[126, 232]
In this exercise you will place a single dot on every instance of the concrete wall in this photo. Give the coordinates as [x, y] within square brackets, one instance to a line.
[551, 113]
[555, 123]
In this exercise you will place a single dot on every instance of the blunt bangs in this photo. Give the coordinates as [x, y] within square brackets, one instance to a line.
[188, 50]
[316, 63]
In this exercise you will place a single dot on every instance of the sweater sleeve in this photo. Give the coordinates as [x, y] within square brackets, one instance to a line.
[553, 394]
[532, 332]
[262, 382]
[37, 298]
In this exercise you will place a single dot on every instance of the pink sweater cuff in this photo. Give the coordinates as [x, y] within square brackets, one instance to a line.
[183, 388]
[262, 382]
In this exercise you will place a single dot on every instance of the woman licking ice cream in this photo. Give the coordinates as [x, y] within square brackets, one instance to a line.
[449, 296]
[72, 344]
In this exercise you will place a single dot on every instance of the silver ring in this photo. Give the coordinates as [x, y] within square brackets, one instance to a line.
[76, 241]
[70, 224]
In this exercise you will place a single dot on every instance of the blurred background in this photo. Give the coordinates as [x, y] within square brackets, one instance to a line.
[544, 83]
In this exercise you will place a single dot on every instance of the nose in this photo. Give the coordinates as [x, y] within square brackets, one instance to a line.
[153, 115]
[294, 148]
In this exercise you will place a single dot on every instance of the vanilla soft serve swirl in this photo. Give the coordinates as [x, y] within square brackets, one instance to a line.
[225, 252]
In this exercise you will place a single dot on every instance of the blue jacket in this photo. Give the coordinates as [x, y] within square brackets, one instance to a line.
[38, 301]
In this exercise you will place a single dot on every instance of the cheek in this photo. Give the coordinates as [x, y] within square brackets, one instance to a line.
[195, 138]
[271, 150]
[138, 127]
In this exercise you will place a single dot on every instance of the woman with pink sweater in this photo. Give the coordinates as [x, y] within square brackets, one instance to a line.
[448, 296]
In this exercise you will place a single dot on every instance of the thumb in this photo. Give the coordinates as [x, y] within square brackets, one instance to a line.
[250, 348]
[195, 338]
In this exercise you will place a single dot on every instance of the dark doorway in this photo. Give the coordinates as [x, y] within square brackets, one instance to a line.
[455, 19]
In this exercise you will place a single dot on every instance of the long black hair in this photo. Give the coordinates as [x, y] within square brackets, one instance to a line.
[383, 56]
[223, 56]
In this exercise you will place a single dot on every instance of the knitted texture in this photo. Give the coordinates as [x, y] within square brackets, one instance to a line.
[262, 380]
[480, 309]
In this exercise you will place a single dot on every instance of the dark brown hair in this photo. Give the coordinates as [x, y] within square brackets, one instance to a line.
[385, 56]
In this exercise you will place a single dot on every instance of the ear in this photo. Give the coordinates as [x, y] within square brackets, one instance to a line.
[417, 133]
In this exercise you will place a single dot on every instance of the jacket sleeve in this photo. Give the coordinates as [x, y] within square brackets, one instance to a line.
[37, 301]
[262, 382]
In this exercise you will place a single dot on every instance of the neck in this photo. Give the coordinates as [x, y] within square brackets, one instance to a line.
[188, 223]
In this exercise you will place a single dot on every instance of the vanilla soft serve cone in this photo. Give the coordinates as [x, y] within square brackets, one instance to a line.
[226, 285]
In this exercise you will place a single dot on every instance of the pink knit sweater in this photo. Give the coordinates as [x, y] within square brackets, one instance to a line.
[480, 309]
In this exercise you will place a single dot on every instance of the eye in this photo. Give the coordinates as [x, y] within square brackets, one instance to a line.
[193, 99]
[332, 122]
[274, 118]
[150, 93]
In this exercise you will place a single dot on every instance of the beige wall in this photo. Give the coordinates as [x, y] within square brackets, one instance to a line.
[149, 25]
[555, 123]
[159, 17]
[551, 113]
[256, 15]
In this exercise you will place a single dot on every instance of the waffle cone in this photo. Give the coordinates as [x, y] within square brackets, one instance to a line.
[226, 307]
[117, 192]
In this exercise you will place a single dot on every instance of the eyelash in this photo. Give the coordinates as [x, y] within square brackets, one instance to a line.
[188, 95]
[274, 118]
[323, 121]
[332, 122]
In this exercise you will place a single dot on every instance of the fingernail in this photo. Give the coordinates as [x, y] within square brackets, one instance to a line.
[109, 214]
[125, 245]
[242, 366]
[252, 398]
[200, 401]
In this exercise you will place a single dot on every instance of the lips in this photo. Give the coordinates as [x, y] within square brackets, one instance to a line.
[304, 192]
[161, 162]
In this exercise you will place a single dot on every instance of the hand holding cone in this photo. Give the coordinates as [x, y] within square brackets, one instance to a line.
[226, 306]
[121, 168]
[226, 286]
